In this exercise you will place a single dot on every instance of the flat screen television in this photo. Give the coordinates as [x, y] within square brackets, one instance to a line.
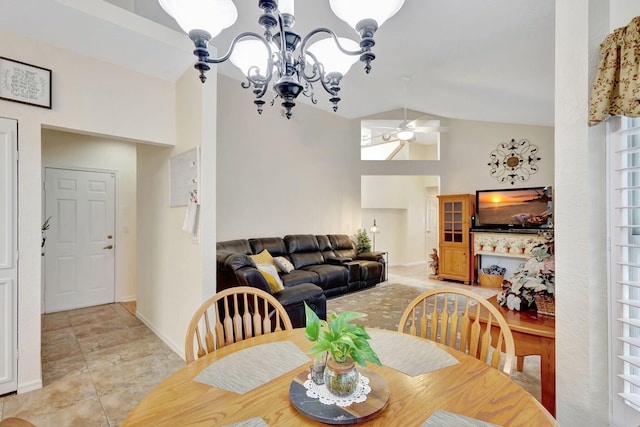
[514, 208]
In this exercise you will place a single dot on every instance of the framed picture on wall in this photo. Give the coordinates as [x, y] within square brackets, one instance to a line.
[25, 83]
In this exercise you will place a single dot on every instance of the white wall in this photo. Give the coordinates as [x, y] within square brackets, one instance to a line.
[467, 144]
[279, 176]
[397, 203]
[69, 150]
[170, 270]
[88, 96]
[582, 385]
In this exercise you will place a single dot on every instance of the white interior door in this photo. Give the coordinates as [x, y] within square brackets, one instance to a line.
[431, 222]
[80, 244]
[8, 256]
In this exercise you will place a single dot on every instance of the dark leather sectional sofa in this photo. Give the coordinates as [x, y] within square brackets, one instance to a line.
[324, 266]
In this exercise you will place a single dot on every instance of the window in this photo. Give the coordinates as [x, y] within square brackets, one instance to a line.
[624, 267]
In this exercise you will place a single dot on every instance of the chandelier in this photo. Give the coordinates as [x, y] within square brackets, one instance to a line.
[290, 61]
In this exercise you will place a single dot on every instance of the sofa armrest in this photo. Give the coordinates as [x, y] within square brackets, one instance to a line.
[250, 276]
[338, 260]
[371, 256]
[237, 261]
[294, 297]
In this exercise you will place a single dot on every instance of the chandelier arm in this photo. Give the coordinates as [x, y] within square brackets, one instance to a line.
[234, 42]
[303, 46]
[318, 69]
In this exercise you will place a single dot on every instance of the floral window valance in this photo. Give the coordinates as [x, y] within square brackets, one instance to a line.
[616, 90]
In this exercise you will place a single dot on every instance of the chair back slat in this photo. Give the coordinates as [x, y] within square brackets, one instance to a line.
[237, 320]
[452, 317]
[266, 321]
[228, 323]
[208, 336]
[247, 318]
[237, 313]
[444, 325]
[257, 319]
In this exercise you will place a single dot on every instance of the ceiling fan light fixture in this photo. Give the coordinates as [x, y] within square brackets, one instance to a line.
[405, 134]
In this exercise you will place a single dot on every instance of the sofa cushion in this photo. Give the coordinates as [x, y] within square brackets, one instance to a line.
[240, 246]
[275, 245]
[297, 277]
[325, 246]
[303, 250]
[343, 246]
[331, 276]
[270, 274]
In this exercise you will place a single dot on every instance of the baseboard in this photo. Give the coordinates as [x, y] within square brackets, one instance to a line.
[172, 345]
[126, 299]
[30, 386]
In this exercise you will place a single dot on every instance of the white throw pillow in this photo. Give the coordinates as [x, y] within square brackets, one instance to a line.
[270, 274]
[283, 264]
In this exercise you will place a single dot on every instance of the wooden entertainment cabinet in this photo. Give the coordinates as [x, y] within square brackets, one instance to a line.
[455, 212]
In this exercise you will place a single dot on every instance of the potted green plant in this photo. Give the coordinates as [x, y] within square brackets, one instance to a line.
[345, 343]
[363, 243]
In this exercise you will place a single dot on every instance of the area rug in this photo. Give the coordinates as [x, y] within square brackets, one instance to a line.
[384, 305]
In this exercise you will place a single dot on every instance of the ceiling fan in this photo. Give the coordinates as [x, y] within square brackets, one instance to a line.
[405, 131]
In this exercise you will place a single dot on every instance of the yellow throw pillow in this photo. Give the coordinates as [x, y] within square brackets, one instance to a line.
[270, 274]
[263, 257]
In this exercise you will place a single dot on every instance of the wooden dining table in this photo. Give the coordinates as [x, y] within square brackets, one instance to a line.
[468, 388]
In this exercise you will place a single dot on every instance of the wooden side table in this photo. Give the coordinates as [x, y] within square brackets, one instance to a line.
[535, 334]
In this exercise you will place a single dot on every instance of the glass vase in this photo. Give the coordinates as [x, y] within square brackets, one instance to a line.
[341, 379]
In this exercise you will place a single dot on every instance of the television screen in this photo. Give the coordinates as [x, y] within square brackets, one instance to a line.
[514, 208]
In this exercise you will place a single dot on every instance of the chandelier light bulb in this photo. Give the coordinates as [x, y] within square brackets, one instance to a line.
[278, 58]
[331, 57]
[248, 54]
[213, 16]
[354, 11]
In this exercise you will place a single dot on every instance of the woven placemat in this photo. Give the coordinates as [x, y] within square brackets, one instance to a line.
[252, 422]
[444, 418]
[252, 367]
[408, 354]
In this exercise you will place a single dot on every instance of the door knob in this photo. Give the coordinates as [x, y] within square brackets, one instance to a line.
[108, 247]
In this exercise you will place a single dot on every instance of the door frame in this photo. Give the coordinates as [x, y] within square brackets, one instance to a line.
[115, 221]
[10, 315]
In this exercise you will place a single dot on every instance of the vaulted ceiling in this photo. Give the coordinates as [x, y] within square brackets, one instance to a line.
[490, 60]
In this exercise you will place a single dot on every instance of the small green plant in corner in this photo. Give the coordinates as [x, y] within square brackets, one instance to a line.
[363, 243]
[340, 338]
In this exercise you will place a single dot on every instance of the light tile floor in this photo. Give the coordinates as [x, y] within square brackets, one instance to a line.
[98, 362]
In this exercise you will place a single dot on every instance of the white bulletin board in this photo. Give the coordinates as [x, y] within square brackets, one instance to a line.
[184, 177]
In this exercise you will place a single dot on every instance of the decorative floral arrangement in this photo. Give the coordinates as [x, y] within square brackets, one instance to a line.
[534, 277]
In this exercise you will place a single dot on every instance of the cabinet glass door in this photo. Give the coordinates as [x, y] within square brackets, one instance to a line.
[453, 221]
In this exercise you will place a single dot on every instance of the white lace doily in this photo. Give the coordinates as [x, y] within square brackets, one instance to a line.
[319, 391]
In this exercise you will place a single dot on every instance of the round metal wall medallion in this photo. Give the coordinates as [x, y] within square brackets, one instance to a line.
[514, 161]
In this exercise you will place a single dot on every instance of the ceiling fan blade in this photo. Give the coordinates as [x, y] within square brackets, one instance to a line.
[373, 144]
[427, 129]
[384, 136]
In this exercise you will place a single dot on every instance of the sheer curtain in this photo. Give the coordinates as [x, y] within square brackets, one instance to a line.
[616, 90]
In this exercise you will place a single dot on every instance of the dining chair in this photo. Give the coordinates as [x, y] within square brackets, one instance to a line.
[15, 422]
[451, 317]
[232, 315]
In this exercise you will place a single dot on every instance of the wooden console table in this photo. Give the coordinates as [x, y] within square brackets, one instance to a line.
[535, 334]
